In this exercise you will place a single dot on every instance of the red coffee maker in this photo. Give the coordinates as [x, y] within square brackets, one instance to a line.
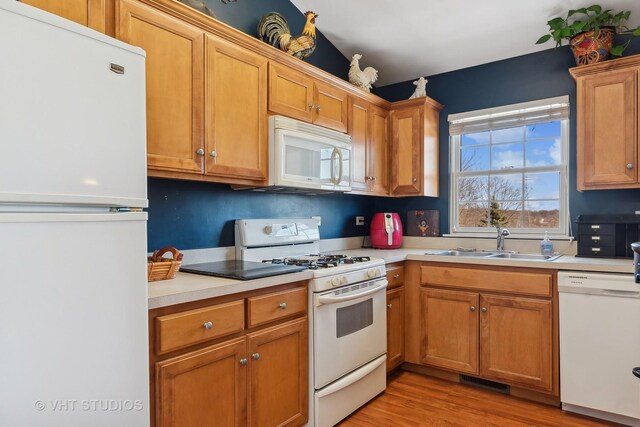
[386, 231]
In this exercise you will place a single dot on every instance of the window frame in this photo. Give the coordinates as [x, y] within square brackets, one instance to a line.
[454, 156]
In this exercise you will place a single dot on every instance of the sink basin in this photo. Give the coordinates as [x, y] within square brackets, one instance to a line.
[501, 255]
[531, 257]
[462, 253]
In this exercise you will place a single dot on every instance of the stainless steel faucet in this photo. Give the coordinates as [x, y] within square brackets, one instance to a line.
[502, 233]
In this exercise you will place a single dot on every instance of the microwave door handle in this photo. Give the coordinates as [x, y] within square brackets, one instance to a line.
[323, 299]
[340, 171]
[334, 156]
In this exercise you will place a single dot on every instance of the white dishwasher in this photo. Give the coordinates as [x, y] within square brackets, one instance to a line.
[600, 345]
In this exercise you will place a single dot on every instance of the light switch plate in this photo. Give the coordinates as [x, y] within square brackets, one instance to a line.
[359, 220]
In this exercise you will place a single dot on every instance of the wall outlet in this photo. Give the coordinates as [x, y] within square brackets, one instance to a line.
[359, 220]
[319, 219]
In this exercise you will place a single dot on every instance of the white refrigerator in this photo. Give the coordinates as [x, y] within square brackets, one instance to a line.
[73, 288]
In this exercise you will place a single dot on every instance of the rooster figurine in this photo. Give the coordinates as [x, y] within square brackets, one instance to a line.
[274, 30]
[361, 78]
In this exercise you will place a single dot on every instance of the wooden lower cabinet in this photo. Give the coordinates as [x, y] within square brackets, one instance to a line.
[395, 328]
[516, 343]
[203, 388]
[500, 325]
[450, 325]
[278, 372]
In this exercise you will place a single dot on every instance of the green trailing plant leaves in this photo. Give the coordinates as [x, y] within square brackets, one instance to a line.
[544, 39]
[636, 32]
[595, 9]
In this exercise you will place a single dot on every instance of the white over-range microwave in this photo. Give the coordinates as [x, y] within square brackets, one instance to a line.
[308, 157]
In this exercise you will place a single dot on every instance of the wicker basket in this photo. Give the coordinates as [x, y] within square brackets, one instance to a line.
[160, 268]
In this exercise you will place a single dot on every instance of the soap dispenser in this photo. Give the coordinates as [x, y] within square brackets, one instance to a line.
[546, 246]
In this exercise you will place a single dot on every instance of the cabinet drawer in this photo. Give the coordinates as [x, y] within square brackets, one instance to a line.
[395, 276]
[180, 330]
[597, 240]
[597, 229]
[487, 280]
[278, 305]
[596, 251]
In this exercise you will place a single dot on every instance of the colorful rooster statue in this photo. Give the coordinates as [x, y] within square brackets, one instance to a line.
[274, 30]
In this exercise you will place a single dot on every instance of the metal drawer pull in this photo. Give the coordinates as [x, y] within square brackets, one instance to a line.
[255, 356]
[484, 309]
[595, 249]
[311, 106]
[318, 108]
[282, 305]
[595, 227]
[244, 361]
[208, 325]
[200, 152]
[396, 276]
[595, 237]
[389, 305]
[629, 166]
[415, 180]
[472, 308]
[213, 154]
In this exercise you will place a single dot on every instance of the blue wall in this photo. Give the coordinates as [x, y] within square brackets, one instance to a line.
[524, 78]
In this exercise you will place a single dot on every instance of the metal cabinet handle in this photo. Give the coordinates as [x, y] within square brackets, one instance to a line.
[317, 108]
[200, 152]
[484, 309]
[415, 180]
[213, 154]
[207, 325]
[373, 178]
[311, 106]
[255, 356]
[244, 361]
[629, 166]
[472, 308]
[282, 305]
[396, 276]
[389, 305]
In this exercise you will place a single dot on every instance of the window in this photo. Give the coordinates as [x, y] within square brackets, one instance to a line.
[509, 168]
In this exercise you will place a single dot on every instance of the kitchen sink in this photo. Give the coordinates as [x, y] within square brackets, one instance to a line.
[532, 257]
[500, 255]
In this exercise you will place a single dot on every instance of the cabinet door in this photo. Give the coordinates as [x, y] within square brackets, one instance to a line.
[378, 150]
[278, 375]
[516, 341]
[359, 131]
[406, 141]
[175, 85]
[449, 329]
[207, 387]
[607, 130]
[331, 106]
[236, 111]
[90, 13]
[290, 93]
[395, 328]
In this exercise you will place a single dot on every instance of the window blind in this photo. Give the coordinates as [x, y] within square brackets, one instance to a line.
[524, 114]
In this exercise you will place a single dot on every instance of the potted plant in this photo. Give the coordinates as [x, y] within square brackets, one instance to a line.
[590, 32]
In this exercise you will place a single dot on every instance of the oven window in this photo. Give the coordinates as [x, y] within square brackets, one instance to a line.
[354, 318]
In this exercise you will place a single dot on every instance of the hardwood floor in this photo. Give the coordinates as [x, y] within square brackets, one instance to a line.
[413, 400]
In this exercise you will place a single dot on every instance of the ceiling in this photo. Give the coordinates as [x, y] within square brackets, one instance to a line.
[406, 39]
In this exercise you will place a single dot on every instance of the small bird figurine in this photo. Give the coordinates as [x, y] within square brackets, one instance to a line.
[361, 78]
[274, 30]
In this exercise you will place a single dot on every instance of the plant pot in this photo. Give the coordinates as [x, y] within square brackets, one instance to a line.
[590, 47]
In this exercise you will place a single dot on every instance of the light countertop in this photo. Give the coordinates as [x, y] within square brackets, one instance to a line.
[186, 287]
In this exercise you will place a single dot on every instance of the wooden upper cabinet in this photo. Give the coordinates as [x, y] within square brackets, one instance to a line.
[297, 95]
[330, 107]
[236, 112]
[607, 124]
[175, 85]
[369, 130]
[207, 387]
[90, 13]
[516, 341]
[290, 93]
[414, 147]
[449, 324]
[278, 375]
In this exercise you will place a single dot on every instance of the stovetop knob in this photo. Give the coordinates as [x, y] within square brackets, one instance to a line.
[335, 281]
[371, 273]
[343, 280]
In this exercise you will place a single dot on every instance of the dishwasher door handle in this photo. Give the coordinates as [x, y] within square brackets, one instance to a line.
[625, 294]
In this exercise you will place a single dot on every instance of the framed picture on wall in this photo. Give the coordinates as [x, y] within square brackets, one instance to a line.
[423, 223]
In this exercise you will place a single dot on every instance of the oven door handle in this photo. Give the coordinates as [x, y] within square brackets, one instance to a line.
[323, 299]
[352, 378]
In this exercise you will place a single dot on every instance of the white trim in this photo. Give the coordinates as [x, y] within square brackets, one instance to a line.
[537, 105]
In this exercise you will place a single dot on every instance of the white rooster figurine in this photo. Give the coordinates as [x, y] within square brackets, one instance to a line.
[361, 78]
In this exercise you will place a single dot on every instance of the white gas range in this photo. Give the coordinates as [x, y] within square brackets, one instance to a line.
[347, 313]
